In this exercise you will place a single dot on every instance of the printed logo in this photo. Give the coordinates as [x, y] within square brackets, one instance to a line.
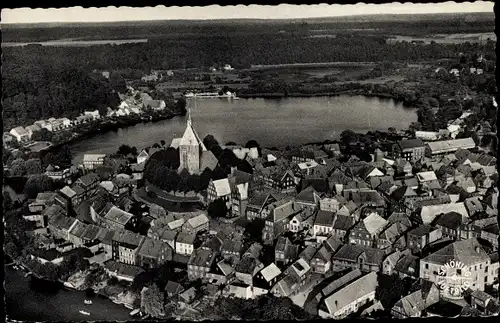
[454, 278]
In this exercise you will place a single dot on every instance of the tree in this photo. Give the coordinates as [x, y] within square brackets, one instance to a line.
[18, 170]
[43, 135]
[253, 230]
[64, 157]
[33, 166]
[163, 142]
[37, 184]
[124, 150]
[231, 143]
[389, 290]
[213, 145]
[253, 144]
[7, 201]
[180, 106]
[152, 301]
[217, 208]
[347, 136]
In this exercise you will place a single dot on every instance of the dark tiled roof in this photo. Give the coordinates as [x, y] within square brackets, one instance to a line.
[421, 230]
[325, 218]
[411, 143]
[450, 220]
[343, 222]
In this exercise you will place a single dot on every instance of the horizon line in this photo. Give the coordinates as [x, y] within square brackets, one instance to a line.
[235, 19]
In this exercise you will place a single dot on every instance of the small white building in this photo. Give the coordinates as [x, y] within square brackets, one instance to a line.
[93, 114]
[91, 161]
[20, 134]
[32, 129]
[44, 124]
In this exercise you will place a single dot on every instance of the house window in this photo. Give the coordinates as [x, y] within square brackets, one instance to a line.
[426, 266]
[486, 269]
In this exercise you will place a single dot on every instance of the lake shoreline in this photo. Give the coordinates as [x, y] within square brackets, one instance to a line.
[65, 285]
[264, 119]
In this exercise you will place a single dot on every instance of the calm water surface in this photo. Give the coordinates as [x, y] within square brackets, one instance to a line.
[29, 299]
[272, 122]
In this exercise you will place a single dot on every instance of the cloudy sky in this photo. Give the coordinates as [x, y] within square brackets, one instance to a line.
[79, 14]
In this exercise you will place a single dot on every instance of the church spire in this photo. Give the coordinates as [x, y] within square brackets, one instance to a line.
[189, 117]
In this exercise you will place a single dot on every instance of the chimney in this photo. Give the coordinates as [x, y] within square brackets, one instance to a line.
[477, 249]
[233, 169]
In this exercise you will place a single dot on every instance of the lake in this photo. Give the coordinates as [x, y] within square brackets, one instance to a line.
[76, 43]
[31, 299]
[272, 122]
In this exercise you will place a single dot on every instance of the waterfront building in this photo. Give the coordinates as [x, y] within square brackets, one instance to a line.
[125, 246]
[92, 161]
[20, 134]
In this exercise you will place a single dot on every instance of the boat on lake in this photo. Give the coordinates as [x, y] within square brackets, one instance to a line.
[135, 312]
[211, 95]
[84, 313]
[87, 302]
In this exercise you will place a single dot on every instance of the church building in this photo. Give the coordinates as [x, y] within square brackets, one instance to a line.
[194, 156]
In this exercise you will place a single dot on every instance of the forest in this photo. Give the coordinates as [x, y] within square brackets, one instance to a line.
[35, 88]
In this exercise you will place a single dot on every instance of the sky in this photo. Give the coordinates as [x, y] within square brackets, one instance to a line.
[284, 11]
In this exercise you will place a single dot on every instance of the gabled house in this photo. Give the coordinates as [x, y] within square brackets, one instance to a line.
[184, 244]
[390, 235]
[284, 251]
[408, 266]
[200, 262]
[321, 261]
[349, 299]
[142, 156]
[247, 268]
[391, 260]
[415, 303]
[277, 179]
[486, 304]
[410, 149]
[323, 224]
[219, 189]
[468, 252]
[301, 221]
[20, 134]
[267, 277]
[308, 198]
[332, 204]
[172, 290]
[196, 224]
[257, 203]
[153, 253]
[279, 216]
[355, 256]
[365, 232]
[300, 270]
[403, 167]
[239, 183]
[450, 225]
[341, 226]
[125, 245]
[220, 273]
[420, 237]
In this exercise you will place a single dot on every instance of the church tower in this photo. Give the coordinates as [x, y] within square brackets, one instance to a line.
[190, 149]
